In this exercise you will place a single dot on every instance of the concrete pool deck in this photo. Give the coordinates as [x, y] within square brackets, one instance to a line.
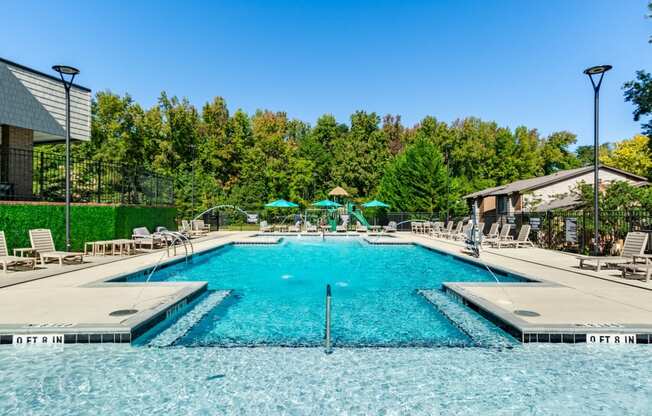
[566, 299]
[77, 300]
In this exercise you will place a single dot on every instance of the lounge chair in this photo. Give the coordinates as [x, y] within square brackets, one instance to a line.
[634, 247]
[462, 235]
[391, 227]
[454, 232]
[310, 228]
[265, 227]
[633, 269]
[502, 237]
[444, 230]
[342, 227]
[199, 227]
[9, 261]
[142, 237]
[296, 228]
[360, 228]
[493, 231]
[523, 238]
[43, 245]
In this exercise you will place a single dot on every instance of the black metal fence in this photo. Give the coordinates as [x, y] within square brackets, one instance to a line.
[33, 175]
[574, 230]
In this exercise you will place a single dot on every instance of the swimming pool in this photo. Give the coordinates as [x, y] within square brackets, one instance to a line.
[278, 294]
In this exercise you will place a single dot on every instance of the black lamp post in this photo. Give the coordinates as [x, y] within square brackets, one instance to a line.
[596, 70]
[192, 167]
[70, 73]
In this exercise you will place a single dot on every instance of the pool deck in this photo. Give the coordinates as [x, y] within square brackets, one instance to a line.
[570, 303]
[76, 300]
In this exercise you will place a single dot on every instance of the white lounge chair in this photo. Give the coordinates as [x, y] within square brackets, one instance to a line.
[43, 245]
[265, 227]
[523, 238]
[198, 227]
[454, 232]
[310, 228]
[296, 228]
[444, 230]
[142, 237]
[493, 231]
[634, 247]
[502, 237]
[391, 227]
[10, 261]
[360, 228]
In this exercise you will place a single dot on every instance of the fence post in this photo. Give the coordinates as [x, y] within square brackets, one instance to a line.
[549, 221]
[99, 182]
[583, 243]
[41, 179]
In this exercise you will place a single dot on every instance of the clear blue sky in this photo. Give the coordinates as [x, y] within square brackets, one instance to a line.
[515, 62]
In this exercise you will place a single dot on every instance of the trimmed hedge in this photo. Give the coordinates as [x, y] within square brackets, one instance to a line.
[88, 222]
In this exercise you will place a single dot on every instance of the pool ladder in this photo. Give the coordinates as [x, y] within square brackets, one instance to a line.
[328, 348]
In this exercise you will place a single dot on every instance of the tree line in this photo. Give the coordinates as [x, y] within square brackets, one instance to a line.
[248, 160]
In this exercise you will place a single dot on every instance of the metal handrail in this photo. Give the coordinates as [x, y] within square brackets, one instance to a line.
[328, 349]
[177, 236]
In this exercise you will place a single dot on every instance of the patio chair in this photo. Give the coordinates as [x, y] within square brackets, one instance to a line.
[265, 227]
[634, 247]
[453, 232]
[296, 228]
[43, 245]
[462, 235]
[391, 227]
[493, 231]
[310, 228]
[344, 226]
[142, 237]
[502, 236]
[444, 230]
[199, 227]
[360, 228]
[523, 238]
[10, 261]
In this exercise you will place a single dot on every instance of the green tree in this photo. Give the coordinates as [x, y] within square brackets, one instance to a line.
[416, 179]
[631, 155]
[639, 93]
[556, 154]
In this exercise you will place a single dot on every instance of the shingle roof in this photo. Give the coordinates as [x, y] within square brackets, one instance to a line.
[535, 183]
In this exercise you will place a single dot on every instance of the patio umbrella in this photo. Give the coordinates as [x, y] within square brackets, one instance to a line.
[281, 203]
[375, 204]
[327, 204]
[338, 191]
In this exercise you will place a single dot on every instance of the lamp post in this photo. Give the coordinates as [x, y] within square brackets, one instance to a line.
[68, 72]
[192, 167]
[447, 150]
[595, 71]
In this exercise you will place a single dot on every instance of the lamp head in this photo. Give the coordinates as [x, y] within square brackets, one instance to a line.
[65, 69]
[596, 70]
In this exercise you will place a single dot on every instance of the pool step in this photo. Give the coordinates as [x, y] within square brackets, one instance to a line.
[178, 329]
[481, 331]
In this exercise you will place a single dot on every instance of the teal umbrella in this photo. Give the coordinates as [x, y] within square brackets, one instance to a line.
[327, 204]
[281, 203]
[375, 204]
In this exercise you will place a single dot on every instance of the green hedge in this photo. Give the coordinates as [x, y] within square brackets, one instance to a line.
[88, 222]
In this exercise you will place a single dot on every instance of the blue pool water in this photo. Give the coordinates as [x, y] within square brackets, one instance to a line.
[278, 294]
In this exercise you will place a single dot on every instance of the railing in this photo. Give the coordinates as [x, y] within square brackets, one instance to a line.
[34, 175]
[573, 230]
[328, 348]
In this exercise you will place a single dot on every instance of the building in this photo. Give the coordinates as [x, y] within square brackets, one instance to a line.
[33, 111]
[544, 193]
